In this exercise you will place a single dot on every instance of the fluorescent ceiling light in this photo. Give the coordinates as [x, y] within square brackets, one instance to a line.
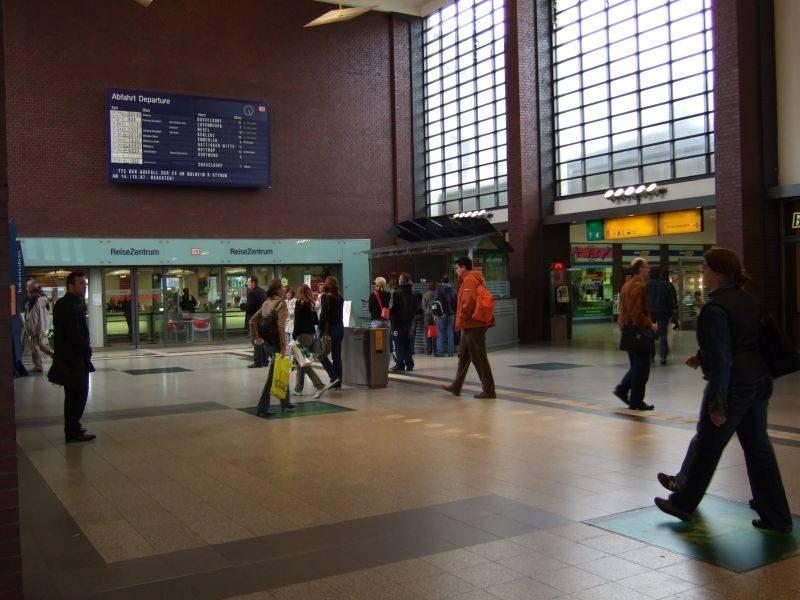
[619, 192]
[340, 14]
[629, 191]
[652, 187]
[640, 189]
[608, 194]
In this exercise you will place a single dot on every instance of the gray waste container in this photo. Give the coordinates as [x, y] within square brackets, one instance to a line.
[365, 356]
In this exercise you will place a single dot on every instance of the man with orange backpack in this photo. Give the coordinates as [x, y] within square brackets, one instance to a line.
[474, 315]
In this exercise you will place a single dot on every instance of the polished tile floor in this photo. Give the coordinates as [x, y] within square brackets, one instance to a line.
[413, 494]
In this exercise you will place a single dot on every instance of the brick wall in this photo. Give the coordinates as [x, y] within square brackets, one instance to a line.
[534, 245]
[10, 560]
[744, 142]
[336, 166]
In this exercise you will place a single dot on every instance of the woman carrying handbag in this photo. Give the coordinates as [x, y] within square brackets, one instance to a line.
[331, 324]
[305, 319]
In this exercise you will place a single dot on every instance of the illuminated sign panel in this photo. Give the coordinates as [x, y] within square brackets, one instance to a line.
[631, 227]
[682, 221]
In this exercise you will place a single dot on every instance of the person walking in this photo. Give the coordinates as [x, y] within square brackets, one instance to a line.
[255, 298]
[379, 302]
[735, 400]
[659, 304]
[428, 324]
[305, 318]
[403, 313]
[635, 318]
[472, 347]
[446, 323]
[267, 328]
[36, 323]
[72, 360]
[331, 323]
[291, 302]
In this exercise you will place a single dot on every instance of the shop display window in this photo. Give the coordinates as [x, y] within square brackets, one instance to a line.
[591, 290]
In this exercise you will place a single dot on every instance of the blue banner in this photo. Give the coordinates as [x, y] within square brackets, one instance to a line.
[17, 272]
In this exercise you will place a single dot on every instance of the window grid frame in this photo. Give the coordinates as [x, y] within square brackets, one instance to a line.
[705, 110]
[496, 124]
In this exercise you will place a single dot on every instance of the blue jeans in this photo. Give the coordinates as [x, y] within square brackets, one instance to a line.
[663, 344]
[333, 365]
[404, 346]
[746, 416]
[446, 330]
[260, 355]
[635, 380]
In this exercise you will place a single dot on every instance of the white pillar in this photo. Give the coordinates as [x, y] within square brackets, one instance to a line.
[95, 305]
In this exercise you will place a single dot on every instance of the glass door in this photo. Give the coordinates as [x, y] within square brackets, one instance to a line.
[235, 299]
[150, 305]
[117, 307]
[194, 304]
[691, 293]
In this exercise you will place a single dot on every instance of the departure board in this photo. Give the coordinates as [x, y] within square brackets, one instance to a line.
[169, 139]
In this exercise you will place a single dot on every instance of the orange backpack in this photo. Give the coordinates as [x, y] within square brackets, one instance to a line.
[484, 306]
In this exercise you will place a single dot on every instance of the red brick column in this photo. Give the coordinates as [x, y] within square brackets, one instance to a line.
[526, 263]
[10, 557]
[744, 139]
[535, 246]
[402, 171]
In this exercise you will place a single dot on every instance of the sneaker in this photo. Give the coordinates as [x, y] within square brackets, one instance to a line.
[642, 407]
[671, 508]
[762, 524]
[84, 437]
[297, 392]
[325, 388]
[668, 482]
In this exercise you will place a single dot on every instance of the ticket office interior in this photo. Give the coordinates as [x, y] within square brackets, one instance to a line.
[146, 305]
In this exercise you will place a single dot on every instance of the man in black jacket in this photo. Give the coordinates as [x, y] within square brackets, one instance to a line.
[72, 362]
[255, 298]
[402, 314]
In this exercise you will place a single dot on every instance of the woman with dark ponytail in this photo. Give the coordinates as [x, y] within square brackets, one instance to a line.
[735, 399]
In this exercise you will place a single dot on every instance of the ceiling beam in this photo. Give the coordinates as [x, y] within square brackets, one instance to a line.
[417, 8]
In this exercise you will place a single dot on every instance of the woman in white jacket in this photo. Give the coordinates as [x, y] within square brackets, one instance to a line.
[291, 302]
[36, 318]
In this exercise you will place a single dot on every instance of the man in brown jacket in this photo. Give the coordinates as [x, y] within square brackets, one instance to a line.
[633, 311]
[472, 348]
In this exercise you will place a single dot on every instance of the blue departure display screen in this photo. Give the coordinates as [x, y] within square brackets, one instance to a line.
[169, 139]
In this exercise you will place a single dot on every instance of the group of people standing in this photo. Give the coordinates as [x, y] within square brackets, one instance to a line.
[403, 310]
[285, 315]
[730, 336]
[442, 308]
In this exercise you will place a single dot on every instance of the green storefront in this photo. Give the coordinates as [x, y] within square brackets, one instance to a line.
[136, 286]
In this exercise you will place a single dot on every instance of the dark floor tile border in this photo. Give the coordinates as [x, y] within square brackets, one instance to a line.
[50, 536]
[60, 562]
[127, 413]
[157, 371]
[585, 410]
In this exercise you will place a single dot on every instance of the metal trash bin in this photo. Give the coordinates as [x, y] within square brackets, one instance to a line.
[365, 356]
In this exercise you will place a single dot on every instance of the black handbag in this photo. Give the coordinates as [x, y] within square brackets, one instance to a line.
[777, 348]
[634, 339]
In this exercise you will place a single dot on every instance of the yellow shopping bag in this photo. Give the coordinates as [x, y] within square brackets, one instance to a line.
[280, 376]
